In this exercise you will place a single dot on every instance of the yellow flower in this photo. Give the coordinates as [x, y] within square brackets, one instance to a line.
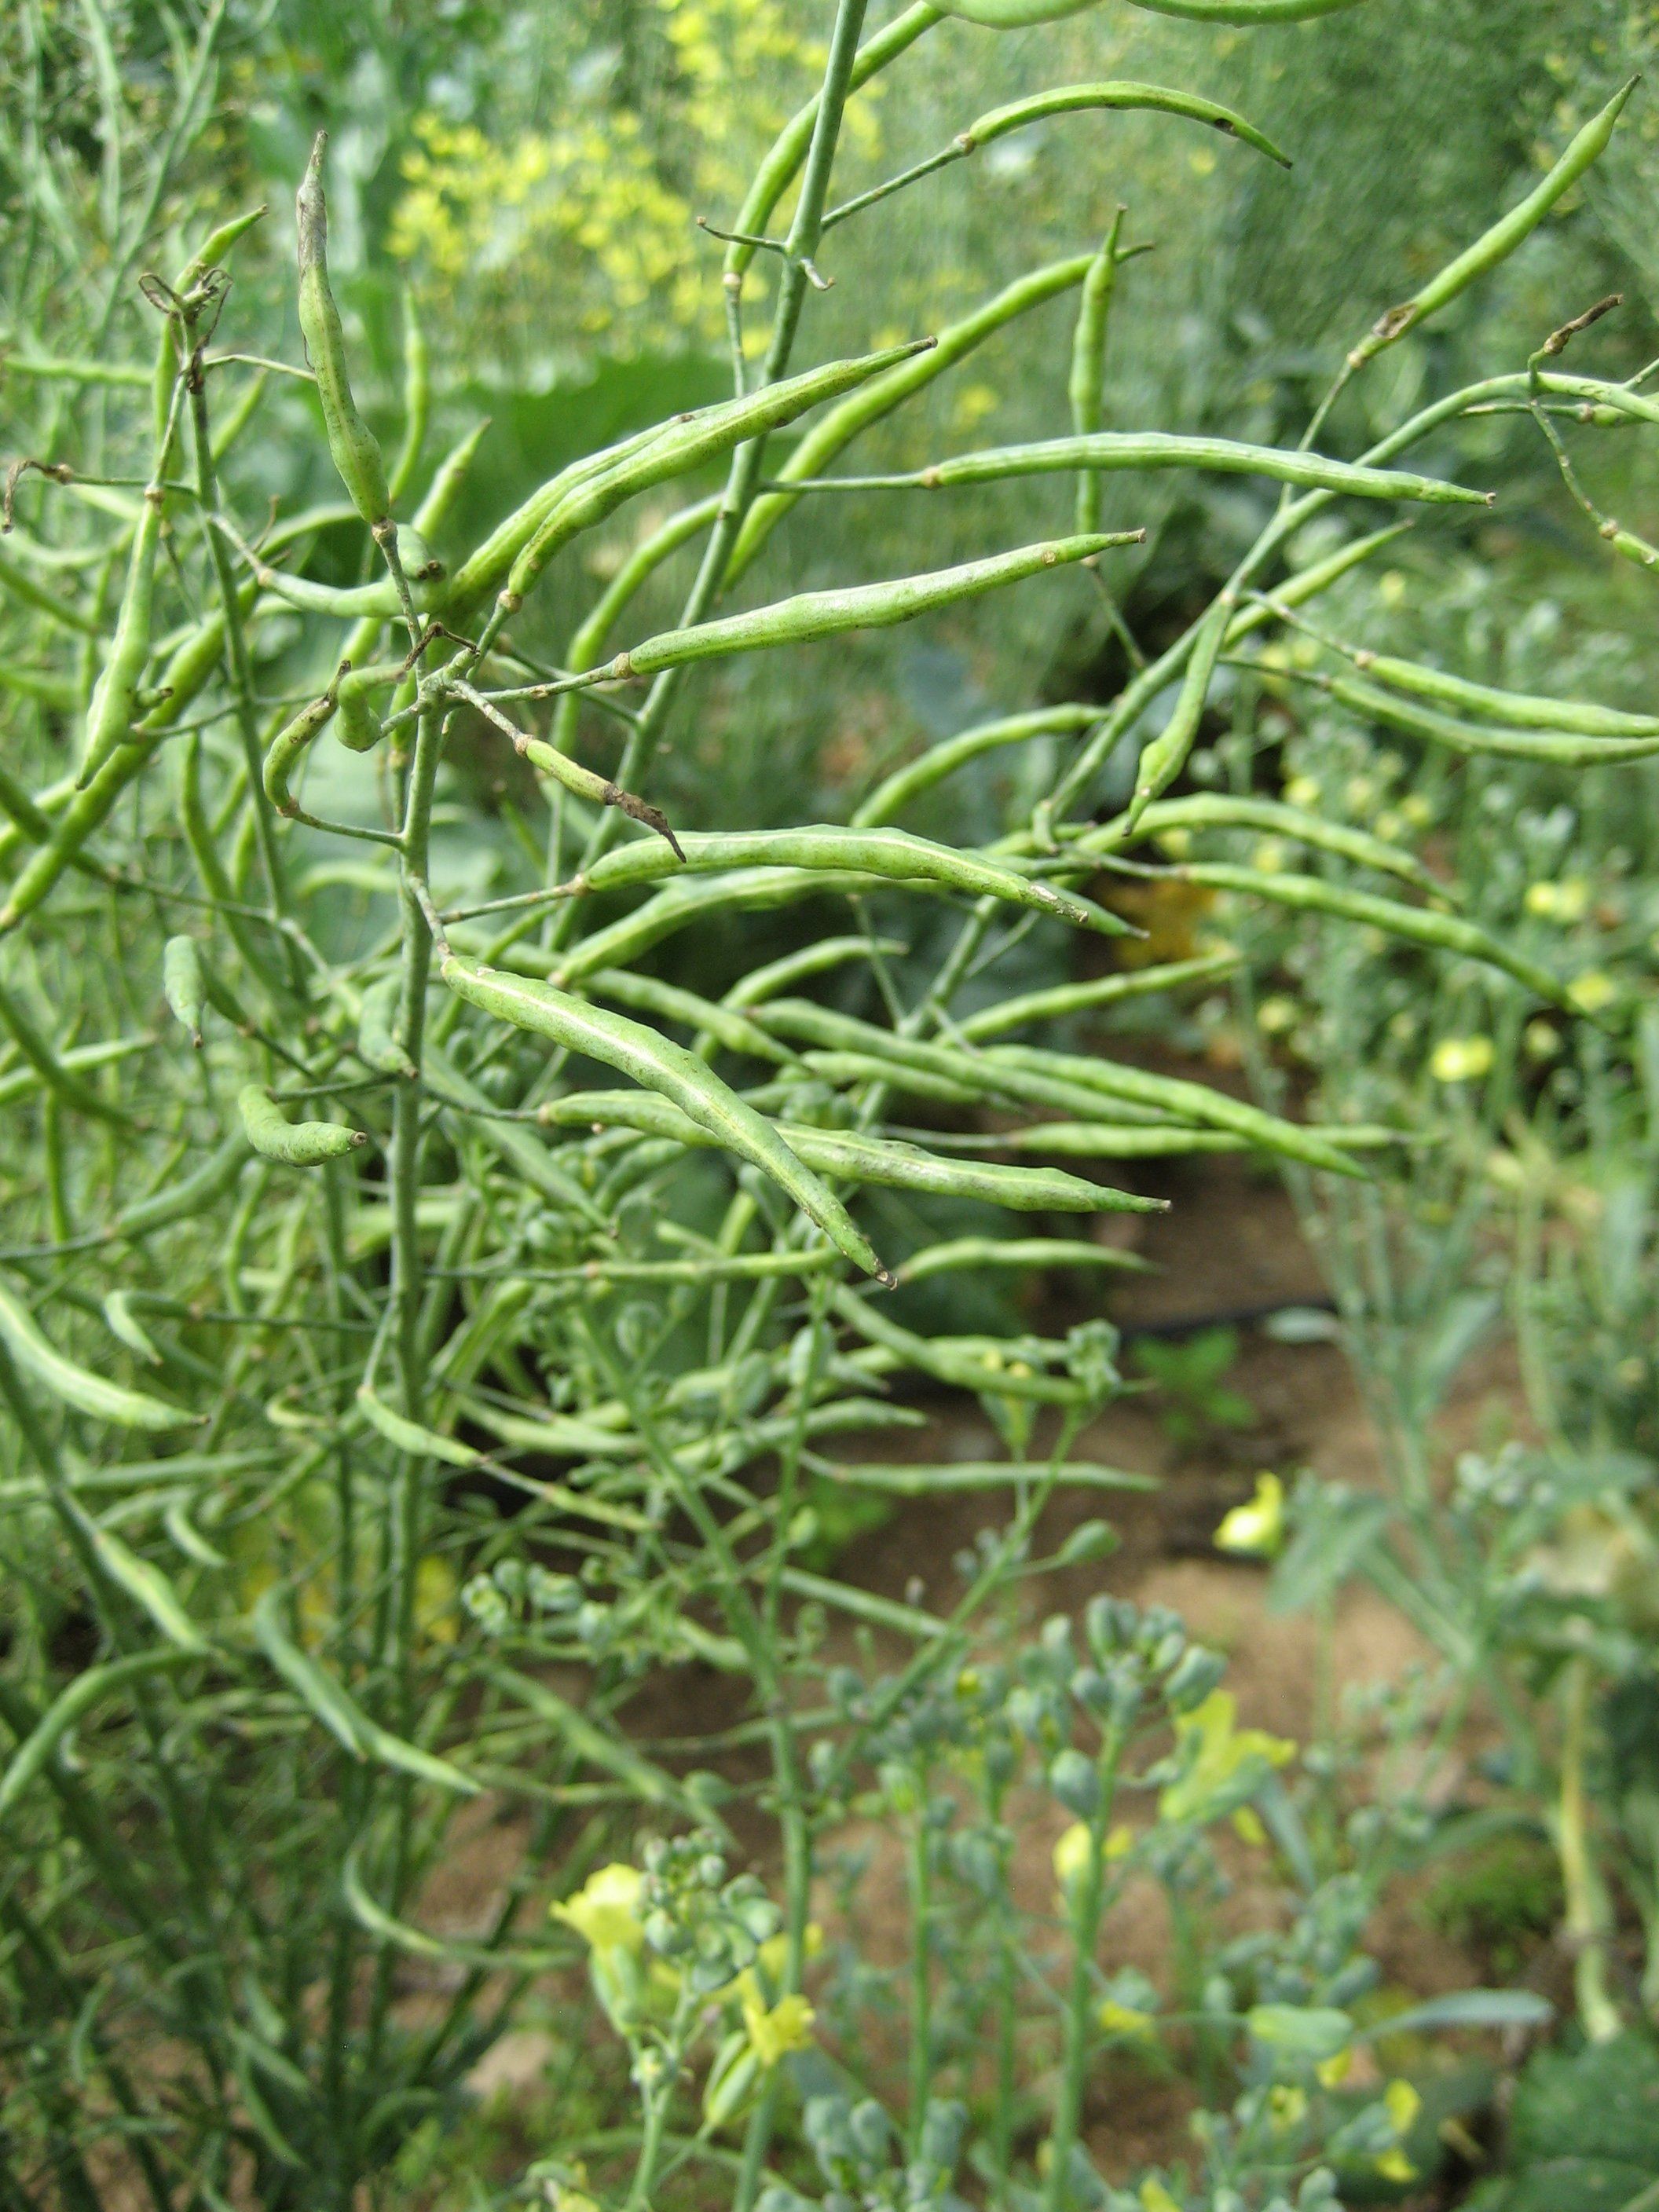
[1394, 2165]
[1223, 1764]
[1302, 791]
[1402, 2105]
[1247, 1826]
[605, 1911]
[1256, 1531]
[1417, 810]
[1563, 902]
[1287, 2106]
[1268, 858]
[1125, 2020]
[787, 2026]
[1592, 991]
[1155, 2197]
[1334, 2072]
[1461, 1060]
[1277, 1015]
[1072, 1851]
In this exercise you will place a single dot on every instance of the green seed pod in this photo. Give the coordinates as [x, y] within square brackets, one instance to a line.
[359, 728]
[114, 707]
[289, 747]
[297, 1143]
[1084, 386]
[814, 615]
[1164, 759]
[677, 1075]
[1496, 243]
[377, 1043]
[357, 454]
[1011, 14]
[908, 783]
[181, 982]
[75, 1386]
[1246, 12]
[186, 1201]
[417, 399]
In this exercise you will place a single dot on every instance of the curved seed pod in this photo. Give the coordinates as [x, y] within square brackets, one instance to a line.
[58, 1077]
[32, 1755]
[418, 401]
[358, 725]
[814, 453]
[891, 854]
[875, 1160]
[1079, 99]
[681, 447]
[1110, 1140]
[188, 1200]
[125, 1325]
[1085, 387]
[765, 982]
[146, 1585]
[290, 742]
[1536, 743]
[816, 615]
[597, 790]
[1213, 810]
[920, 775]
[969, 1254]
[652, 996]
[1011, 14]
[447, 480]
[1582, 718]
[1194, 1101]
[328, 1702]
[75, 1386]
[1067, 999]
[1114, 450]
[351, 444]
[1439, 932]
[1496, 243]
[1245, 12]
[676, 1074]
[1163, 760]
[114, 707]
[377, 1041]
[410, 1436]
[181, 985]
[979, 1364]
[297, 1143]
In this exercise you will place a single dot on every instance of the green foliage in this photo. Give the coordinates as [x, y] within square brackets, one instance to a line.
[389, 1409]
[1189, 1376]
[1584, 2131]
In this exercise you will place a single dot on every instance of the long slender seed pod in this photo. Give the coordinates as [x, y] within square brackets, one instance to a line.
[146, 1585]
[651, 1061]
[650, 994]
[114, 710]
[215, 246]
[410, 1437]
[187, 1200]
[892, 854]
[1496, 243]
[709, 437]
[289, 746]
[1085, 387]
[351, 444]
[29, 1760]
[1117, 450]
[879, 397]
[775, 975]
[1209, 810]
[907, 784]
[75, 1385]
[866, 607]
[377, 1041]
[1249, 13]
[417, 399]
[1064, 1000]
[125, 1325]
[966, 1254]
[1080, 99]
[328, 1702]
[1438, 932]
[59, 1080]
[1572, 717]
[296, 1144]
[1164, 759]
[1194, 1102]
[874, 1160]
[1479, 740]
[181, 985]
